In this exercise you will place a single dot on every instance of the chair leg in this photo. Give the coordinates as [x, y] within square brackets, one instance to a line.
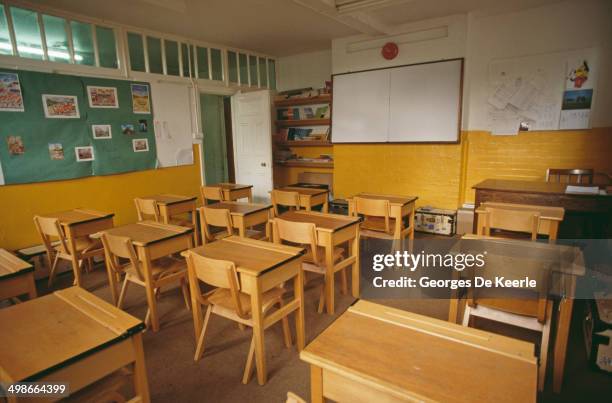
[147, 320]
[466, 315]
[248, 368]
[124, 287]
[52, 272]
[544, 348]
[344, 288]
[185, 292]
[285, 323]
[200, 347]
[321, 299]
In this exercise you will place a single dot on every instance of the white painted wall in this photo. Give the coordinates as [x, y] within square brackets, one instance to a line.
[481, 38]
[304, 70]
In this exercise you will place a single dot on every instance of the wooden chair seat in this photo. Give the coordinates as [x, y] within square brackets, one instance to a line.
[222, 297]
[377, 224]
[255, 234]
[182, 222]
[162, 267]
[319, 267]
[83, 245]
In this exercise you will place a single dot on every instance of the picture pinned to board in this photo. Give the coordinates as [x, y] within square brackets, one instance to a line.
[128, 129]
[15, 145]
[61, 106]
[140, 145]
[141, 100]
[578, 94]
[11, 98]
[84, 154]
[102, 97]
[56, 151]
[101, 132]
[143, 126]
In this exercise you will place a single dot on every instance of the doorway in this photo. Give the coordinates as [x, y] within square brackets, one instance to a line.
[218, 150]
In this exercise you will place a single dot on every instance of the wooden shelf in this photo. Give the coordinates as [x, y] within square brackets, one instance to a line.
[303, 122]
[305, 143]
[321, 99]
[305, 164]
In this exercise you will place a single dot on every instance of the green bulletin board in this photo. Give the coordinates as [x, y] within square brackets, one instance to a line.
[111, 156]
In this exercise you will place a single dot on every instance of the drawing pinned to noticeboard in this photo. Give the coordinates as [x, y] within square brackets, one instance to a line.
[578, 94]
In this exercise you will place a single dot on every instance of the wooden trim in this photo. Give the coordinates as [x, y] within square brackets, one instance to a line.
[303, 122]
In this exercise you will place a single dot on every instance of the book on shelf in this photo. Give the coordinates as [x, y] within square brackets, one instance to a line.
[322, 112]
[297, 133]
[288, 114]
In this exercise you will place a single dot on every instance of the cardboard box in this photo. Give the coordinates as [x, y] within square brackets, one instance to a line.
[435, 221]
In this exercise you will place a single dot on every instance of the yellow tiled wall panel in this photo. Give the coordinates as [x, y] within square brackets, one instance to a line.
[112, 193]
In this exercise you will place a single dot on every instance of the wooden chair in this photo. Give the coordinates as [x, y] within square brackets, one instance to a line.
[305, 235]
[211, 193]
[221, 219]
[532, 311]
[121, 259]
[50, 232]
[227, 300]
[285, 199]
[519, 218]
[570, 175]
[147, 209]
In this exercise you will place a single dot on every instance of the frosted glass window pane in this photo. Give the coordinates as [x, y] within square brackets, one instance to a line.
[232, 67]
[172, 64]
[244, 69]
[27, 33]
[82, 39]
[155, 55]
[107, 47]
[136, 51]
[56, 38]
[272, 74]
[185, 59]
[263, 73]
[253, 70]
[202, 63]
[5, 38]
[217, 65]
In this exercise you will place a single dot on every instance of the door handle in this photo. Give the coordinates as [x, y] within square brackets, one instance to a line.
[263, 164]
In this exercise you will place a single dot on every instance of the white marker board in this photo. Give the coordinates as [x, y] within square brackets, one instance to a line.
[415, 103]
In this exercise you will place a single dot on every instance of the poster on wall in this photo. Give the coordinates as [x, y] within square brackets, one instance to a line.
[141, 101]
[140, 145]
[578, 94]
[101, 132]
[84, 153]
[11, 98]
[102, 97]
[61, 106]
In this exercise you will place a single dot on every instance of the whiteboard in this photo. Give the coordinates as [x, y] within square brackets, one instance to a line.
[172, 105]
[360, 109]
[415, 103]
[424, 102]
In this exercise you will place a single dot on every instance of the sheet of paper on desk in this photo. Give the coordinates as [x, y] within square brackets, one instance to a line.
[582, 189]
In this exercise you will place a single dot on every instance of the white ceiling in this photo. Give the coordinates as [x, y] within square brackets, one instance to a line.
[277, 27]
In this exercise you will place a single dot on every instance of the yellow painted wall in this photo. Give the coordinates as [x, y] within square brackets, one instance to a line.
[443, 175]
[113, 193]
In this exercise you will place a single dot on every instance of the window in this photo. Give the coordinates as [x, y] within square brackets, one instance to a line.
[253, 70]
[56, 39]
[271, 74]
[27, 33]
[6, 47]
[136, 51]
[232, 67]
[263, 73]
[244, 69]
[155, 55]
[185, 59]
[216, 64]
[107, 48]
[172, 58]
[202, 54]
[82, 40]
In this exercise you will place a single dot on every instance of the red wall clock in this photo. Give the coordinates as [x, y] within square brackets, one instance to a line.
[390, 50]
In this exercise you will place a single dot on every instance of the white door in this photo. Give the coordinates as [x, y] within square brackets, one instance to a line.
[252, 131]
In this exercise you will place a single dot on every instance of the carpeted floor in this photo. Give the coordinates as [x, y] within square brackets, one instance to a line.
[174, 376]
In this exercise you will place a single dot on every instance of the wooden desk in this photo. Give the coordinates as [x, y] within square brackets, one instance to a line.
[261, 266]
[333, 230]
[245, 215]
[70, 336]
[172, 205]
[375, 353]
[79, 223]
[570, 271]
[310, 197]
[596, 208]
[16, 277]
[233, 191]
[151, 240]
[401, 206]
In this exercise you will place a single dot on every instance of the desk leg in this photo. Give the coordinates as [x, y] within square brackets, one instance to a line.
[241, 226]
[354, 251]
[316, 384]
[326, 205]
[258, 334]
[250, 197]
[412, 222]
[141, 385]
[76, 267]
[563, 327]
[112, 280]
[298, 287]
[31, 286]
[397, 232]
[329, 277]
[151, 300]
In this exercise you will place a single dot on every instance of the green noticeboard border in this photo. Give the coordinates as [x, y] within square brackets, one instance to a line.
[111, 156]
